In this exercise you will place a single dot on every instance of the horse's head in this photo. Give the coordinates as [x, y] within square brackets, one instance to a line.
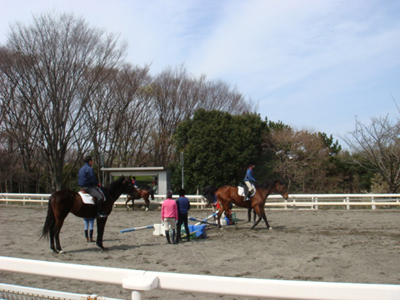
[280, 189]
[128, 186]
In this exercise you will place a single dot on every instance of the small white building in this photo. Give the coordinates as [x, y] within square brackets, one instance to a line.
[162, 174]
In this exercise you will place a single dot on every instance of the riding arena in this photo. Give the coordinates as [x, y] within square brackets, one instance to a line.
[332, 244]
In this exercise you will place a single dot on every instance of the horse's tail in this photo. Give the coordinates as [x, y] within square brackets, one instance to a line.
[50, 221]
[209, 194]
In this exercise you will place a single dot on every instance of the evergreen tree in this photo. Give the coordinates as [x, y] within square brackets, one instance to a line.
[218, 147]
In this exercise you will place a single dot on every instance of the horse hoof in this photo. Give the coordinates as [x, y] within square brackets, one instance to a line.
[270, 228]
[147, 209]
[61, 252]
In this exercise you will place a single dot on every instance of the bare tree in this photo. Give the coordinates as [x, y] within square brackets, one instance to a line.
[19, 127]
[301, 158]
[218, 95]
[177, 95]
[378, 144]
[120, 117]
[52, 68]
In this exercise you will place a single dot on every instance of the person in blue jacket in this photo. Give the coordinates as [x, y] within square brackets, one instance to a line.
[249, 180]
[183, 208]
[88, 182]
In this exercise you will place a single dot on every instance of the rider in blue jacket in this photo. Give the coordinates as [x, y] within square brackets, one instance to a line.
[88, 182]
[249, 180]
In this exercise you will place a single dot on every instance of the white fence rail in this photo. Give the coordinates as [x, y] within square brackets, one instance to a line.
[139, 281]
[295, 201]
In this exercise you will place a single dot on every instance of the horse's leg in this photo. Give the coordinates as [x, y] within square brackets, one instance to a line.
[57, 240]
[147, 201]
[57, 229]
[101, 224]
[228, 213]
[249, 214]
[52, 228]
[257, 211]
[264, 216]
[51, 234]
[126, 203]
[221, 209]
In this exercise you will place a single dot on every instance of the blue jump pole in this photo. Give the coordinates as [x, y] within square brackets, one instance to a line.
[201, 221]
[137, 228]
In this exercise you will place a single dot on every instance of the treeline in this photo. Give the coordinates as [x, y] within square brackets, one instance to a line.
[218, 147]
[67, 91]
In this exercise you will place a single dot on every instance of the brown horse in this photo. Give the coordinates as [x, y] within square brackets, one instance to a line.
[140, 194]
[61, 203]
[229, 194]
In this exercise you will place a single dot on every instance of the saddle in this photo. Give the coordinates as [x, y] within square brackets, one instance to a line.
[87, 198]
[243, 190]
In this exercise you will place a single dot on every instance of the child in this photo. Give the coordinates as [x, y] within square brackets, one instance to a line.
[89, 222]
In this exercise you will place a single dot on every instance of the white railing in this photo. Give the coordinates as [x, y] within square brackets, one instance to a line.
[12, 291]
[307, 201]
[139, 281]
[314, 201]
[42, 199]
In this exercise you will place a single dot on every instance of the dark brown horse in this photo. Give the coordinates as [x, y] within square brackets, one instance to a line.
[229, 194]
[140, 194]
[61, 203]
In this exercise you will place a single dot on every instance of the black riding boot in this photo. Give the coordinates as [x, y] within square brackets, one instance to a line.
[247, 196]
[173, 236]
[86, 236]
[91, 235]
[100, 213]
[167, 236]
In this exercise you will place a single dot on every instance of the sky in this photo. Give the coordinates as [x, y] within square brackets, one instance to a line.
[316, 65]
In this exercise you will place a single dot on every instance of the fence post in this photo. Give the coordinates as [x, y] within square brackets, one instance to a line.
[136, 295]
[348, 201]
[316, 201]
[373, 201]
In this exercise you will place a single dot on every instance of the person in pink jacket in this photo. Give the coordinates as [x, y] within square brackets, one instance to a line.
[169, 216]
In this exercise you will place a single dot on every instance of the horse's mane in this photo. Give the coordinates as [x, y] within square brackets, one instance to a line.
[268, 183]
[116, 183]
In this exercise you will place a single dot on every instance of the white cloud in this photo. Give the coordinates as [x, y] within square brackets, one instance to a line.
[310, 63]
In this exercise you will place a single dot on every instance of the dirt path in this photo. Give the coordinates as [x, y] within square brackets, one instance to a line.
[331, 246]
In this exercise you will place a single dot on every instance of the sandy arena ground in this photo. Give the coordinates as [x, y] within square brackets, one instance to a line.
[327, 245]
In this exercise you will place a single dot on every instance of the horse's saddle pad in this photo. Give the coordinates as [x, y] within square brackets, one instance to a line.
[86, 198]
[242, 193]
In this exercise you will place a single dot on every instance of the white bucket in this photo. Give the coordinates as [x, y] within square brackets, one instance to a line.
[159, 229]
